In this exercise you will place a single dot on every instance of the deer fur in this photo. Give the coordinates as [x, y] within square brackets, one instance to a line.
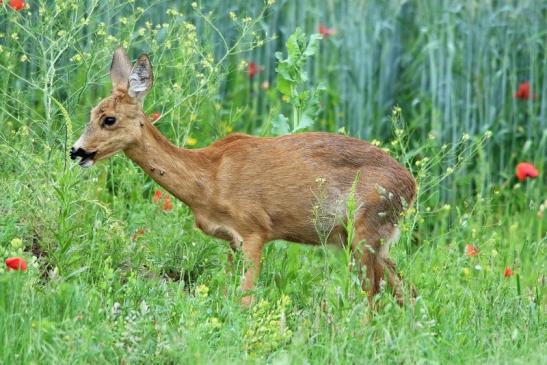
[251, 190]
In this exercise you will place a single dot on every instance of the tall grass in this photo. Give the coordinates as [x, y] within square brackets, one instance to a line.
[114, 278]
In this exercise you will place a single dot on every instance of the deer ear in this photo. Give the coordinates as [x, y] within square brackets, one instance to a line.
[120, 69]
[141, 78]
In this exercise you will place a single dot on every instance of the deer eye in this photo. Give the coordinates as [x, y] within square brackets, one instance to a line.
[109, 121]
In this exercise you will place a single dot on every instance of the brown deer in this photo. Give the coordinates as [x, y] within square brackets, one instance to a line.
[251, 190]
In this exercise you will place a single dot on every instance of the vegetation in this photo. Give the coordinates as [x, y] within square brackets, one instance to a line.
[117, 272]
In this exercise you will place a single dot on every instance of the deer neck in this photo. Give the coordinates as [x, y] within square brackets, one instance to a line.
[182, 172]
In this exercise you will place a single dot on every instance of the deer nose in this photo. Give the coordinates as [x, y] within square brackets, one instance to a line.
[74, 153]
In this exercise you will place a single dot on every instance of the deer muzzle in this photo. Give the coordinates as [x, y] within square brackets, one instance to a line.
[85, 158]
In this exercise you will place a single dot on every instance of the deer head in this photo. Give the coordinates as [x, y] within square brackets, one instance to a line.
[116, 123]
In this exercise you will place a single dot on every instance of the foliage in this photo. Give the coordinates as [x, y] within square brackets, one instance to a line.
[292, 82]
[454, 90]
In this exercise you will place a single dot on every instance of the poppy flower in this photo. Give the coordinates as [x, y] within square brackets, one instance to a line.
[526, 170]
[157, 196]
[253, 69]
[15, 4]
[155, 116]
[508, 272]
[326, 32]
[471, 250]
[523, 92]
[167, 204]
[16, 263]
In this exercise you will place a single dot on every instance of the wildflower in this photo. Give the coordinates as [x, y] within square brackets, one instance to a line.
[16, 4]
[16, 263]
[155, 116]
[202, 290]
[214, 322]
[191, 141]
[253, 69]
[326, 32]
[466, 272]
[167, 204]
[157, 196]
[76, 58]
[525, 170]
[24, 58]
[471, 250]
[138, 234]
[16, 243]
[265, 85]
[508, 272]
[523, 92]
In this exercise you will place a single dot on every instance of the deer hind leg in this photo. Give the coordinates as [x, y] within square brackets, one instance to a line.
[371, 249]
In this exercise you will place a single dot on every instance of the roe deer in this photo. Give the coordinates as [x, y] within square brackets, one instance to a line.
[251, 190]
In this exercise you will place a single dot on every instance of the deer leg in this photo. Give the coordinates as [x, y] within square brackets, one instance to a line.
[371, 254]
[365, 257]
[252, 252]
[374, 243]
[394, 279]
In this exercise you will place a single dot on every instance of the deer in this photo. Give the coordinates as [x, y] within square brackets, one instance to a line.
[250, 190]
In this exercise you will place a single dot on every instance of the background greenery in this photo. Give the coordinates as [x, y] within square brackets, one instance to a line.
[115, 278]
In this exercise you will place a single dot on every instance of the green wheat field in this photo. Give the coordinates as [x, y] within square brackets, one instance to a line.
[116, 271]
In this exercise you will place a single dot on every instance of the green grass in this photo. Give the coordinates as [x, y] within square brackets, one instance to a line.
[113, 278]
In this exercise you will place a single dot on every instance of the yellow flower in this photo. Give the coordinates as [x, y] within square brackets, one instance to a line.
[214, 322]
[202, 290]
[76, 58]
[191, 141]
[466, 272]
[16, 243]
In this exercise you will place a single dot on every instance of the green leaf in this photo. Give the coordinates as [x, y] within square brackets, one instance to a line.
[313, 44]
[280, 125]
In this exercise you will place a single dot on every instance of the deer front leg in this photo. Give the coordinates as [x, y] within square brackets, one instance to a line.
[252, 252]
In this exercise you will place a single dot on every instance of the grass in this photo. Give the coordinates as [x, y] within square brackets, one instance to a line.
[115, 278]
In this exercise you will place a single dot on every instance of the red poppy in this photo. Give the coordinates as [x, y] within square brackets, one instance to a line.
[157, 196]
[526, 170]
[326, 32]
[16, 263]
[167, 205]
[155, 116]
[253, 69]
[471, 250]
[523, 93]
[15, 4]
[508, 272]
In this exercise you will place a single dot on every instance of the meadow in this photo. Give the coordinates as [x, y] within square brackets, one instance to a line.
[117, 272]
